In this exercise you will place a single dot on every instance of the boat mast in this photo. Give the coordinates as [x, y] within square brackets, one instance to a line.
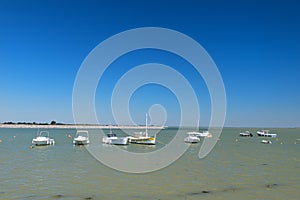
[146, 124]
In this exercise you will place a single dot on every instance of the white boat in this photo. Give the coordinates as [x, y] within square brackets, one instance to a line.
[142, 137]
[192, 138]
[113, 139]
[266, 133]
[204, 134]
[81, 138]
[246, 134]
[42, 139]
[200, 134]
[266, 142]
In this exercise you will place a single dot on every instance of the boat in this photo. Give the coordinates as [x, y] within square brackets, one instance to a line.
[266, 142]
[142, 137]
[246, 134]
[266, 133]
[42, 139]
[200, 134]
[113, 139]
[81, 138]
[204, 134]
[192, 137]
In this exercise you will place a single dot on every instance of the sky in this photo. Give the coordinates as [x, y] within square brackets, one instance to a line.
[254, 44]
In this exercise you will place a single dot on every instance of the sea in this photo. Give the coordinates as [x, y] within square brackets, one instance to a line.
[236, 168]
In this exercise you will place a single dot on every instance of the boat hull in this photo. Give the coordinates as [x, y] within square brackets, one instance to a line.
[81, 142]
[190, 139]
[42, 139]
[266, 134]
[81, 138]
[146, 141]
[266, 142]
[42, 142]
[199, 134]
[115, 140]
[246, 135]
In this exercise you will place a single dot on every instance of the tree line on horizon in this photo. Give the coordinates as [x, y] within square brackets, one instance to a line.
[35, 123]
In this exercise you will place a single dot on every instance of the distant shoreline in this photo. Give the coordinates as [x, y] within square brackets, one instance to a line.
[80, 126]
[93, 126]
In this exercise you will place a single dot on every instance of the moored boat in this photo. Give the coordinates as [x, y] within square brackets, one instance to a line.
[42, 139]
[200, 134]
[81, 138]
[143, 137]
[192, 138]
[246, 134]
[113, 139]
[266, 142]
[266, 133]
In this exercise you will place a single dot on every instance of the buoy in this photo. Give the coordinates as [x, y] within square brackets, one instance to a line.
[15, 136]
[0, 140]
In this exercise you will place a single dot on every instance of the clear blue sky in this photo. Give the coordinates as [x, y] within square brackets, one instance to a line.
[255, 44]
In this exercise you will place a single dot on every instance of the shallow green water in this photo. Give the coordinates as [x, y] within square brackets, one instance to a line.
[237, 168]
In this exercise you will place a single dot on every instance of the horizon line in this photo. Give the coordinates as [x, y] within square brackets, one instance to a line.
[103, 126]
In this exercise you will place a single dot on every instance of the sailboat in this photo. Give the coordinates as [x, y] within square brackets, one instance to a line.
[143, 137]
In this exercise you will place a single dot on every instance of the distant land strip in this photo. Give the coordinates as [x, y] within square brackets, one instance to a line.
[78, 126]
